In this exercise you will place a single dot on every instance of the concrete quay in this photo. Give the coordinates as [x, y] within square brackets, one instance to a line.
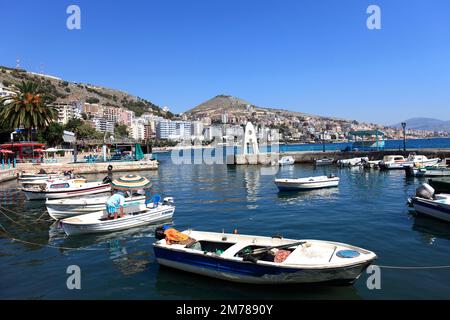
[86, 168]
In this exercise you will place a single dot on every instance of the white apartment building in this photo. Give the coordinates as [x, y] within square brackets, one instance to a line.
[68, 111]
[103, 125]
[173, 130]
[137, 131]
[197, 129]
[5, 92]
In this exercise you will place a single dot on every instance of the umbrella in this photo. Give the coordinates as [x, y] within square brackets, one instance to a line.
[6, 151]
[51, 150]
[131, 182]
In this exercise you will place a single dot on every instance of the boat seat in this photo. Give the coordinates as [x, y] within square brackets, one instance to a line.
[310, 253]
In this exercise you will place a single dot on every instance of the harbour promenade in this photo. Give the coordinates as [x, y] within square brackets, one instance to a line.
[78, 168]
[310, 156]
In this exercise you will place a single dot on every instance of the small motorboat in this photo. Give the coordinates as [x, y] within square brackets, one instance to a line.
[442, 169]
[392, 162]
[65, 208]
[427, 203]
[307, 183]
[151, 211]
[60, 188]
[98, 222]
[287, 160]
[323, 162]
[263, 260]
[371, 164]
[134, 187]
[413, 160]
[352, 162]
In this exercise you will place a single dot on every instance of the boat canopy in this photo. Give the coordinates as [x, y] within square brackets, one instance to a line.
[366, 133]
[368, 140]
[131, 182]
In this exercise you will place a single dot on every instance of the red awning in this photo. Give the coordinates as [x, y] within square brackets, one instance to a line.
[5, 151]
[38, 150]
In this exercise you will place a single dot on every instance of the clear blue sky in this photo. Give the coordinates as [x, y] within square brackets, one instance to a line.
[312, 56]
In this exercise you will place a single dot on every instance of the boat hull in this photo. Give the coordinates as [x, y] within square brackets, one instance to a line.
[163, 213]
[60, 211]
[60, 194]
[432, 209]
[255, 273]
[292, 186]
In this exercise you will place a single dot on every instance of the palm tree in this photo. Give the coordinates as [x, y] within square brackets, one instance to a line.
[28, 108]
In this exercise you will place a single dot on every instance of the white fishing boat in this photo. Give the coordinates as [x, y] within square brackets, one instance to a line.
[371, 164]
[151, 211]
[287, 160]
[263, 260]
[31, 177]
[307, 183]
[98, 222]
[392, 162]
[427, 203]
[57, 189]
[352, 162]
[420, 161]
[323, 162]
[64, 208]
[442, 169]
[413, 160]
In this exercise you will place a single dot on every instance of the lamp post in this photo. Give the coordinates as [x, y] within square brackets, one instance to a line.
[404, 135]
[323, 140]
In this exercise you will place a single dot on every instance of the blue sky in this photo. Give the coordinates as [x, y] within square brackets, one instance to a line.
[312, 56]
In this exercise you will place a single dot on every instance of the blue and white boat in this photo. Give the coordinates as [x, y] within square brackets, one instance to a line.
[427, 203]
[264, 260]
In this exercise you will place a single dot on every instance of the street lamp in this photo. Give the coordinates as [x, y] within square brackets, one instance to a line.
[404, 135]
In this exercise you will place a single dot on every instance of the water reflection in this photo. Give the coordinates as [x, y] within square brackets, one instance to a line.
[171, 283]
[305, 195]
[431, 229]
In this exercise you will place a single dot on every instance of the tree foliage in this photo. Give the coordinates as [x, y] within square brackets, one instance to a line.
[28, 108]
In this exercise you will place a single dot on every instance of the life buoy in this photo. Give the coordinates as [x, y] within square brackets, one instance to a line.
[110, 167]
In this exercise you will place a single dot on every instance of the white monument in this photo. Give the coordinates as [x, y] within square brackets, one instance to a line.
[250, 139]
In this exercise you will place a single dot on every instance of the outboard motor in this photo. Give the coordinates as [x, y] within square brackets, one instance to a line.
[107, 179]
[159, 232]
[425, 191]
[168, 201]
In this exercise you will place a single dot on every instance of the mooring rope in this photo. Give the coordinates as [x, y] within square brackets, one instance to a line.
[413, 267]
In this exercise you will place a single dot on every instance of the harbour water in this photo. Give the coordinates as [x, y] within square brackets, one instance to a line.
[368, 210]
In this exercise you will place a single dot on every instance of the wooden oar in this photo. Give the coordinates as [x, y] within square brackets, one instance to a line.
[251, 256]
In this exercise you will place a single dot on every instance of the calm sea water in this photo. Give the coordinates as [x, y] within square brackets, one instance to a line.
[368, 210]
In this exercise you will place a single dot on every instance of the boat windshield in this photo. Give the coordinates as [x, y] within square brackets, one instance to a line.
[59, 186]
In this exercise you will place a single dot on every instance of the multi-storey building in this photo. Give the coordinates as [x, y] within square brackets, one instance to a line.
[67, 111]
[103, 125]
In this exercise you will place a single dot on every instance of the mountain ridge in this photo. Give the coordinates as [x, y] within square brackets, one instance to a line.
[424, 123]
